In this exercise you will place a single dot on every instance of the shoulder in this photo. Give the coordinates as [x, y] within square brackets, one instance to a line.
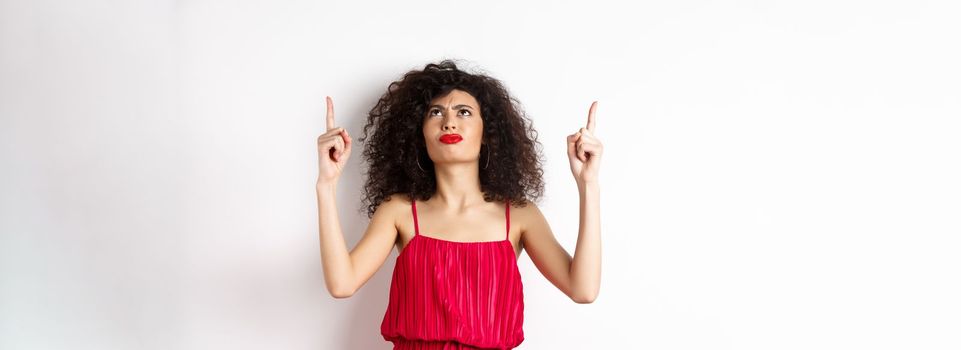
[526, 215]
[393, 211]
[526, 208]
[394, 203]
[392, 207]
[397, 199]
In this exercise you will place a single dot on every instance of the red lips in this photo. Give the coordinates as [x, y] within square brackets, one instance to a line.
[451, 138]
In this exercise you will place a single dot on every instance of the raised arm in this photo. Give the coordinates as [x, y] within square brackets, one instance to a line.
[584, 153]
[345, 272]
[578, 277]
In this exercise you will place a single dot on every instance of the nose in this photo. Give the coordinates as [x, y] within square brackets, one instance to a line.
[449, 124]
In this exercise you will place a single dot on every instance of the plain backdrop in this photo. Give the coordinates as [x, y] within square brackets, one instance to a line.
[777, 174]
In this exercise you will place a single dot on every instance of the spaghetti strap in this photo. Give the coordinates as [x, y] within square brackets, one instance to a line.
[508, 214]
[413, 207]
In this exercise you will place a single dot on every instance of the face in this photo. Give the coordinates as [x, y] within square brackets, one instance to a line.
[448, 116]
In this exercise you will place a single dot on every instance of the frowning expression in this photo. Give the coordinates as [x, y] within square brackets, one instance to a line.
[453, 128]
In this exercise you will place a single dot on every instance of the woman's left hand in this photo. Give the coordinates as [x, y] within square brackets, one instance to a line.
[584, 151]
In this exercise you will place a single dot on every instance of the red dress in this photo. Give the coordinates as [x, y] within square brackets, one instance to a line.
[455, 295]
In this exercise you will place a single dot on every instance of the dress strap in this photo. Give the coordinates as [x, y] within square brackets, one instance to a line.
[413, 207]
[508, 214]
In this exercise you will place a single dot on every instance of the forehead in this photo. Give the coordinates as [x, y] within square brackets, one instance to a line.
[453, 98]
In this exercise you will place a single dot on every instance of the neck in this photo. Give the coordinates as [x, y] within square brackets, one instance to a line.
[458, 185]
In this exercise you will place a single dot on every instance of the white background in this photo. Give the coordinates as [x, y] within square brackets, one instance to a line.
[777, 175]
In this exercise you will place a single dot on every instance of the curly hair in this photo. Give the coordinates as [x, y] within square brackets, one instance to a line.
[394, 141]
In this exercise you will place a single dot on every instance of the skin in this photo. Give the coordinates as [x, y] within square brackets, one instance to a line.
[458, 212]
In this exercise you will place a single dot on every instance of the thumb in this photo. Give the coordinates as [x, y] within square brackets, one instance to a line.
[347, 143]
[572, 144]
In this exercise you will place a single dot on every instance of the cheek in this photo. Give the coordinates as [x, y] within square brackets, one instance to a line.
[428, 129]
[478, 127]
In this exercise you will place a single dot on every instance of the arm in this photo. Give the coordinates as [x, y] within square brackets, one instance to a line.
[577, 277]
[338, 267]
[586, 265]
[345, 272]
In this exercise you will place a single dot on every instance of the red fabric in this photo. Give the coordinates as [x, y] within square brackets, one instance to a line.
[455, 295]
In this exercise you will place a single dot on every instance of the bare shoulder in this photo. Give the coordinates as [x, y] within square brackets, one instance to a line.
[386, 218]
[527, 218]
[397, 200]
[394, 206]
[398, 207]
[524, 213]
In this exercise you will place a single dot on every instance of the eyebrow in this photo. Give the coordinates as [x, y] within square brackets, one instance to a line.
[455, 107]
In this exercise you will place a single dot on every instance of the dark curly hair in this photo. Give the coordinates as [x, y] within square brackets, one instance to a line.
[394, 141]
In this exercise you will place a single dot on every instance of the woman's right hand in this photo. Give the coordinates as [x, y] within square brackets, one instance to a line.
[333, 148]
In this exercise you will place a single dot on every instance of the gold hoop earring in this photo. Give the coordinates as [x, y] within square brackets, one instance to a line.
[488, 157]
[417, 159]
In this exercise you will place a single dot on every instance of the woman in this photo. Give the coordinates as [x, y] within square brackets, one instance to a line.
[453, 172]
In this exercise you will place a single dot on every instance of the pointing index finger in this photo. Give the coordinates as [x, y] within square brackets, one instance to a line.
[330, 113]
[590, 117]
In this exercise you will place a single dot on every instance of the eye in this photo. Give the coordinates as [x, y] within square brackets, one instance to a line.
[466, 110]
[431, 113]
